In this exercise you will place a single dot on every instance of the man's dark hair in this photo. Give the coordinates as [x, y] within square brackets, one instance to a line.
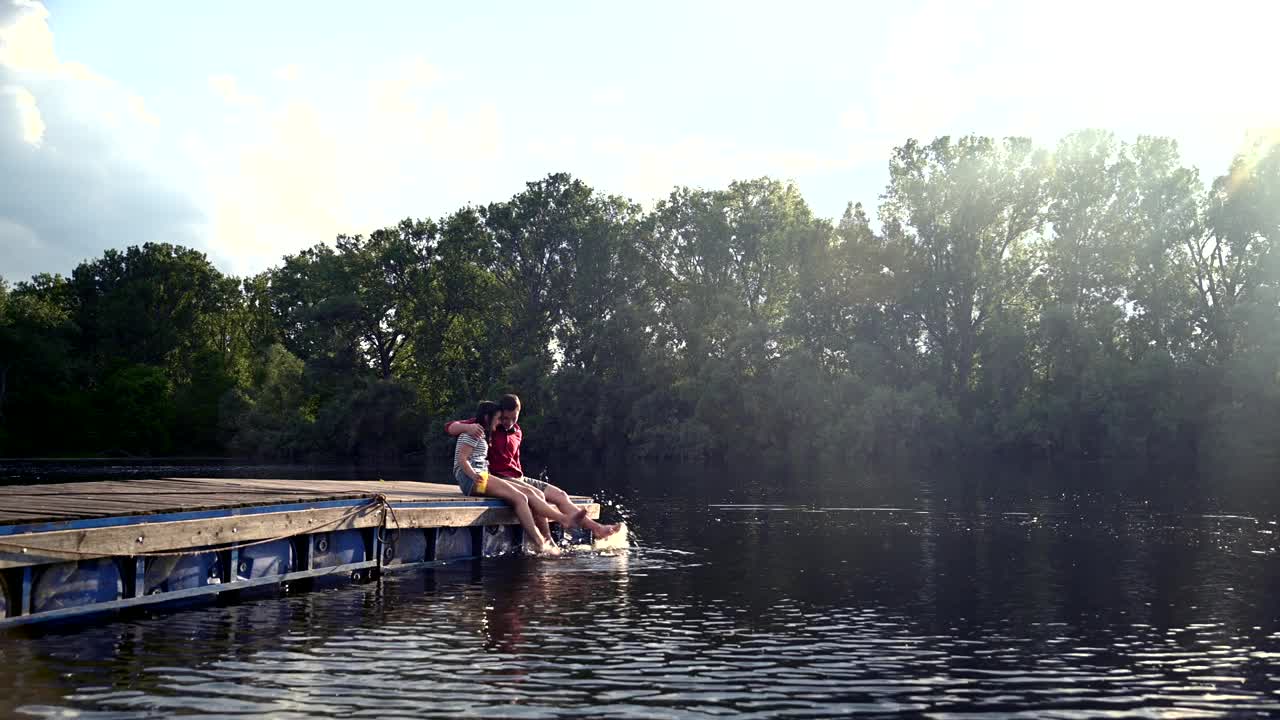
[509, 402]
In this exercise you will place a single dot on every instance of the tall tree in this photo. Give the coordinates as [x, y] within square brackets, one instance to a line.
[961, 213]
[1089, 193]
[730, 259]
[386, 274]
[537, 234]
[1164, 220]
[35, 335]
[144, 304]
[461, 322]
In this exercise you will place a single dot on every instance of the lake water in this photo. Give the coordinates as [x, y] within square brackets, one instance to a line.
[739, 597]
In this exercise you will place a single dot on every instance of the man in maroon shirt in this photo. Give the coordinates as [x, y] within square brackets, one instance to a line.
[504, 462]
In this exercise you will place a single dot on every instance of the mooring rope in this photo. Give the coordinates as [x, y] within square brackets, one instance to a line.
[379, 501]
[388, 510]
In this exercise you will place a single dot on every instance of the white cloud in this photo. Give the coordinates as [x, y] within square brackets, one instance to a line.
[17, 239]
[79, 158]
[139, 108]
[275, 175]
[226, 87]
[301, 173]
[286, 161]
[31, 123]
[279, 193]
[649, 171]
[288, 73]
[26, 43]
[1035, 69]
[611, 97]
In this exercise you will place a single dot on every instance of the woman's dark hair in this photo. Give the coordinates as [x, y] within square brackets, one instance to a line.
[484, 415]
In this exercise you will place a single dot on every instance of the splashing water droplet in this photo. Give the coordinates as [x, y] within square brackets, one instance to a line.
[617, 541]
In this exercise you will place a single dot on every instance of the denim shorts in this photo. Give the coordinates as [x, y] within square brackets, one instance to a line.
[534, 483]
[467, 485]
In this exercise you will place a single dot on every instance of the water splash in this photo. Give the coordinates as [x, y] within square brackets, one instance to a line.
[619, 541]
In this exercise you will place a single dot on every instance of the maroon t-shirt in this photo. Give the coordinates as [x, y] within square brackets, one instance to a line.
[504, 449]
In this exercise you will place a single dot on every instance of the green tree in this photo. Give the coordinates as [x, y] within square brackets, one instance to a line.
[1090, 302]
[461, 322]
[136, 410]
[145, 304]
[536, 235]
[386, 273]
[153, 309]
[728, 262]
[961, 214]
[1231, 259]
[1164, 219]
[273, 415]
[36, 368]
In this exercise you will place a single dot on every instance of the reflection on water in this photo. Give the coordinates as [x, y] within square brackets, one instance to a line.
[731, 605]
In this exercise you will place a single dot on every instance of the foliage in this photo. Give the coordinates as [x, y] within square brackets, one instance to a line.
[1093, 301]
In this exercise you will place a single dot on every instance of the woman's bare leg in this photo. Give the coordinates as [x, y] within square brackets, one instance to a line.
[505, 490]
[532, 493]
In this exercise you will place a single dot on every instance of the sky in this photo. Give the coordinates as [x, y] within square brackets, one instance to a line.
[252, 130]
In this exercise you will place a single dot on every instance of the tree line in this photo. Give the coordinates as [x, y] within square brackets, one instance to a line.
[1095, 300]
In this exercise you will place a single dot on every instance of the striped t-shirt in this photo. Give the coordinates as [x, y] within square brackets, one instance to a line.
[479, 454]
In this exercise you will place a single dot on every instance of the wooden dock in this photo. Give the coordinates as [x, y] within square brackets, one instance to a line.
[67, 549]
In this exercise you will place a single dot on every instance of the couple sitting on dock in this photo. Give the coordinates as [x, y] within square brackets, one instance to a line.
[486, 461]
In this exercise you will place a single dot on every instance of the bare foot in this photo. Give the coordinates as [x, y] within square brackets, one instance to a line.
[549, 549]
[607, 530]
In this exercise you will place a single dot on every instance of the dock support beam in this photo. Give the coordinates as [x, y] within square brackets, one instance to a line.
[139, 577]
[26, 590]
[232, 571]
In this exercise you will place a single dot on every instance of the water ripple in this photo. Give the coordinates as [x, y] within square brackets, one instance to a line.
[771, 612]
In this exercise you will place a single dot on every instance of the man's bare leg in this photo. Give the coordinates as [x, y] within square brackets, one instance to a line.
[561, 500]
[568, 518]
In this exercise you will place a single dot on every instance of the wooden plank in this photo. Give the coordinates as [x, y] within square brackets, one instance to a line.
[289, 488]
[77, 504]
[286, 484]
[64, 511]
[142, 488]
[72, 501]
[407, 518]
[199, 486]
[325, 487]
[460, 516]
[338, 487]
[63, 545]
[93, 487]
[38, 504]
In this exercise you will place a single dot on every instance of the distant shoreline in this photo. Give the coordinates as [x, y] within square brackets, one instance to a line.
[109, 458]
[201, 460]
